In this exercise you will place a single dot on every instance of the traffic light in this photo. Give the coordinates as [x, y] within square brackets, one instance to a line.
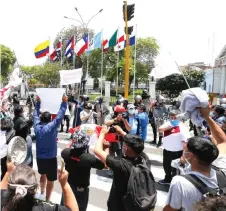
[130, 30]
[130, 11]
[119, 71]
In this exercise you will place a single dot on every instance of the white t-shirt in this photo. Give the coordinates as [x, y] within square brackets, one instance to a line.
[183, 194]
[90, 119]
[220, 162]
[3, 145]
[173, 139]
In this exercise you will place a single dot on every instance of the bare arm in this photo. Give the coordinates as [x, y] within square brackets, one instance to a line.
[4, 182]
[69, 197]
[164, 127]
[84, 117]
[99, 151]
[128, 128]
[110, 122]
[216, 131]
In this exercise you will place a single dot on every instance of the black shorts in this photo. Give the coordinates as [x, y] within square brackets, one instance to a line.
[48, 167]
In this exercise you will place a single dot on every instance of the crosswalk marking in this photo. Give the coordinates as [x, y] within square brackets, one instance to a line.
[104, 184]
[100, 185]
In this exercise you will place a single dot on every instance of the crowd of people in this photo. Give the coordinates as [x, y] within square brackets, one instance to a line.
[200, 186]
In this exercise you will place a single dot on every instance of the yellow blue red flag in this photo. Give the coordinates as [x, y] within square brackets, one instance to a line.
[42, 49]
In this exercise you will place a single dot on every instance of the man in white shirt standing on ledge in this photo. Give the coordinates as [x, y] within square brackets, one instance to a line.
[175, 135]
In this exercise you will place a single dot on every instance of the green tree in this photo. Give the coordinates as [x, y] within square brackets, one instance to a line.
[146, 51]
[48, 74]
[7, 61]
[66, 35]
[173, 84]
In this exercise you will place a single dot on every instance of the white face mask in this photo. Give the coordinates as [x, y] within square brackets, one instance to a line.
[187, 160]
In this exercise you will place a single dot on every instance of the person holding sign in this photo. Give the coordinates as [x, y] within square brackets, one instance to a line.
[46, 145]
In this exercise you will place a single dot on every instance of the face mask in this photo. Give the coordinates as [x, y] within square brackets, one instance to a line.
[131, 111]
[175, 122]
[186, 159]
[212, 114]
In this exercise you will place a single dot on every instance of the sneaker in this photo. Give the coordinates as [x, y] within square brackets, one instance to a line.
[42, 197]
[163, 182]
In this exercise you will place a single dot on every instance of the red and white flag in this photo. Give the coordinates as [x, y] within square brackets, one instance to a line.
[59, 45]
[54, 56]
[81, 45]
[105, 45]
[120, 43]
[14, 81]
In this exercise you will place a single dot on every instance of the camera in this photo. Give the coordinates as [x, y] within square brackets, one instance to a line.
[124, 115]
[112, 130]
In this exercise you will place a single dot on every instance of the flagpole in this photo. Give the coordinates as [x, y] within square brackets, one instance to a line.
[87, 69]
[135, 59]
[49, 50]
[181, 72]
[61, 52]
[117, 65]
[102, 64]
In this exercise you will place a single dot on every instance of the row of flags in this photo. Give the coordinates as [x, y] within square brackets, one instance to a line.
[84, 45]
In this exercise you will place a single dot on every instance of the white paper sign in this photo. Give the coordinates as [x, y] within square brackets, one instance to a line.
[70, 76]
[51, 99]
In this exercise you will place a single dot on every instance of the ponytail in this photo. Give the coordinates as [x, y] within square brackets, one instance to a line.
[17, 202]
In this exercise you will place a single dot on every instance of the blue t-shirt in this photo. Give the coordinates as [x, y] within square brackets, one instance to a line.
[133, 124]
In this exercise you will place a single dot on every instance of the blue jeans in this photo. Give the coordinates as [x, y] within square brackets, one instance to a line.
[81, 195]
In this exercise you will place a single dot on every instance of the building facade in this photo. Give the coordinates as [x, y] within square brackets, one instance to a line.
[215, 78]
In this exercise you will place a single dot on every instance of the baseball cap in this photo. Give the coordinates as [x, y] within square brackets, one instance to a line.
[130, 106]
[119, 109]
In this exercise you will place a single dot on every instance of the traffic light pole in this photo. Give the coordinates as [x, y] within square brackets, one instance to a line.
[126, 92]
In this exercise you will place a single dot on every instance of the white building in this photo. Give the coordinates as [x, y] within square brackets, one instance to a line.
[215, 78]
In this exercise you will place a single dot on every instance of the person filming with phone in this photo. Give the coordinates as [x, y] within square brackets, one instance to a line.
[119, 117]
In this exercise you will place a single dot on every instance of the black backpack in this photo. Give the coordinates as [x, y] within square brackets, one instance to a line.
[141, 191]
[204, 189]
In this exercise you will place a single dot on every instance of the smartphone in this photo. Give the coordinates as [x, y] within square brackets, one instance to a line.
[62, 165]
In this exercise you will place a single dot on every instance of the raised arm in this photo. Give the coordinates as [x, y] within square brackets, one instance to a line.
[37, 112]
[216, 131]
[63, 107]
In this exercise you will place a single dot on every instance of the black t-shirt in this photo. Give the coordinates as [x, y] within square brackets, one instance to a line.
[78, 164]
[121, 168]
[38, 205]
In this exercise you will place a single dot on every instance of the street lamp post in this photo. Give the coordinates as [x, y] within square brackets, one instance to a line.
[85, 28]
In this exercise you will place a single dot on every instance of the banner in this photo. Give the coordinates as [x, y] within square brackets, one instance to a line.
[14, 81]
[51, 99]
[70, 76]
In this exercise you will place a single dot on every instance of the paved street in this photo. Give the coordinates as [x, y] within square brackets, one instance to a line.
[100, 182]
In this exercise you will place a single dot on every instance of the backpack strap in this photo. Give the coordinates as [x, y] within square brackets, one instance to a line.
[198, 183]
[221, 177]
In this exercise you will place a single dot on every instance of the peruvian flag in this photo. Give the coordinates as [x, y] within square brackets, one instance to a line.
[81, 45]
[54, 56]
[58, 47]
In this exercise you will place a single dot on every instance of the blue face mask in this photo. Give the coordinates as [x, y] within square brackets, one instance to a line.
[175, 122]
